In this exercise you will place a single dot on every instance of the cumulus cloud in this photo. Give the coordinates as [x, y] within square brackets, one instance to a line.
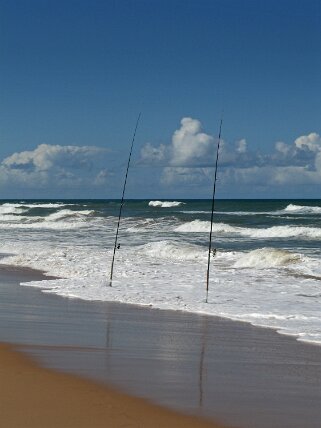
[189, 160]
[47, 156]
[191, 152]
[185, 162]
[293, 164]
[190, 146]
[55, 165]
[310, 142]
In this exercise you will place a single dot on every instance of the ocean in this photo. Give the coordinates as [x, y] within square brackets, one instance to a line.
[267, 269]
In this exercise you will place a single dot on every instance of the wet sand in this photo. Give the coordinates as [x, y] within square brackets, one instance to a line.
[241, 375]
[34, 397]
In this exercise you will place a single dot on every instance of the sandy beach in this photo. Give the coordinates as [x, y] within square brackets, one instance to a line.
[208, 367]
[34, 397]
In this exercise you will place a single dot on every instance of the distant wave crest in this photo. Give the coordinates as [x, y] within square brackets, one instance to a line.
[165, 204]
[200, 226]
[12, 216]
[304, 209]
[67, 214]
[302, 232]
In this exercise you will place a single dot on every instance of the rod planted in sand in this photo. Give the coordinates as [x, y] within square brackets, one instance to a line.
[212, 215]
[122, 203]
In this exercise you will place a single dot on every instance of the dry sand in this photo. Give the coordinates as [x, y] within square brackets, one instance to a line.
[32, 396]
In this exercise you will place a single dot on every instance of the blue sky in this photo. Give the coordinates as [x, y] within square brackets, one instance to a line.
[75, 74]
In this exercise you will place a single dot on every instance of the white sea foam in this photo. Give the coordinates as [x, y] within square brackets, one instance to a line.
[174, 251]
[289, 209]
[49, 205]
[9, 217]
[170, 275]
[11, 209]
[176, 281]
[61, 219]
[302, 209]
[195, 212]
[198, 226]
[165, 204]
[141, 225]
[44, 225]
[67, 214]
[283, 232]
[23, 205]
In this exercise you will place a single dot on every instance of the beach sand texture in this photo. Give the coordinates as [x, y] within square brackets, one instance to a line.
[34, 397]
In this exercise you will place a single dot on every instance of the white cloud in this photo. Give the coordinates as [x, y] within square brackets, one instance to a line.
[47, 156]
[269, 175]
[190, 160]
[190, 146]
[185, 165]
[55, 165]
[310, 142]
[282, 147]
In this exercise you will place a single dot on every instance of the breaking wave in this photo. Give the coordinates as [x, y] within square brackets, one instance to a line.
[199, 226]
[44, 225]
[67, 214]
[302, 209]
[302, 232]
[62, 219]
[262, 258]
[49, 205]
[23, 205]
[12, 209]
[165, 204]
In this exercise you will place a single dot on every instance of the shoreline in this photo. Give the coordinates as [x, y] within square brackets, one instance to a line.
[41, 275]
[29, 382]
[215, 368]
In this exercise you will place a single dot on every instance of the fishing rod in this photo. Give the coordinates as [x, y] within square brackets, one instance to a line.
[212, 215]
[122, 203]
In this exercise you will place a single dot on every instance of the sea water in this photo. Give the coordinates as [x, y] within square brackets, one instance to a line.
[266, 271]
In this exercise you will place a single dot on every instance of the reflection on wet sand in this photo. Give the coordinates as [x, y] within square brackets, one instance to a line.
[236, 373]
